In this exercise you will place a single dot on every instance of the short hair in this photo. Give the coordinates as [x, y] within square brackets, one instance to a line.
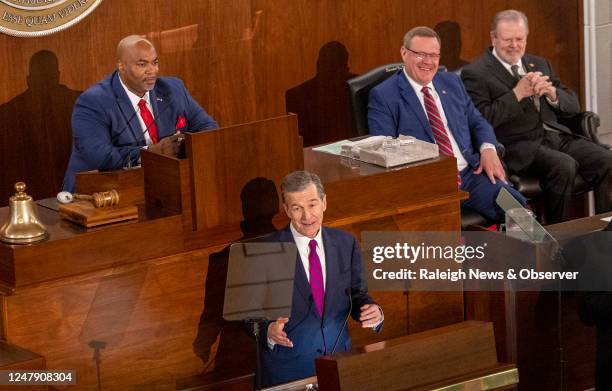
[300, 180]
[509, 16]
[420, 31]
[130, 41]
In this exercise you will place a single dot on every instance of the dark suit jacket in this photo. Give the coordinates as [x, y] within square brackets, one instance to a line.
[395, 109]
[106, 130]
[312, 336]
[518, 125]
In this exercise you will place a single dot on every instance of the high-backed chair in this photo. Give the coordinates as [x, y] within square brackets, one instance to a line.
[359, 90]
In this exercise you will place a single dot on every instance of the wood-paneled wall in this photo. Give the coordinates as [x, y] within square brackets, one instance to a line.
[243, 60]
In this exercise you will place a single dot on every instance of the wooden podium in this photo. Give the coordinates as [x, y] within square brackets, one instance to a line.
[140, 286]
[457, 357]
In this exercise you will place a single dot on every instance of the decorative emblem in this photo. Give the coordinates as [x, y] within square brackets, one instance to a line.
[35, 18]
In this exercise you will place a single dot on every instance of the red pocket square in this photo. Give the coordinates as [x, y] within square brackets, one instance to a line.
[180, 123]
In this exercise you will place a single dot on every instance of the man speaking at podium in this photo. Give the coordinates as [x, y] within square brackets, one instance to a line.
[328, 287]
[129, 110]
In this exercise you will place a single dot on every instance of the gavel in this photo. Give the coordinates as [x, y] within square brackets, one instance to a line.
[99, 200]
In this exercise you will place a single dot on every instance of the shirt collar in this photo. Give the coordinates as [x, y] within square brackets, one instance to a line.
[505, 64]
[416, 86]
[303, 241]
[135, 99]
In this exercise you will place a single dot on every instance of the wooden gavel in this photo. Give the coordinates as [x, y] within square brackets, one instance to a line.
[99, 200]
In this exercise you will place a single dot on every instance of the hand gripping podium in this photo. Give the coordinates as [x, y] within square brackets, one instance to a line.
[457, 357]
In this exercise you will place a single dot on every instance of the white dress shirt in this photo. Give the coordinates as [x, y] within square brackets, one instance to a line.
[135, 99]
[301, 243]
[461, 162]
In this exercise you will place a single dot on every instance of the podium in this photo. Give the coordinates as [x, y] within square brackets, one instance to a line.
[456, 357]
[139, 286]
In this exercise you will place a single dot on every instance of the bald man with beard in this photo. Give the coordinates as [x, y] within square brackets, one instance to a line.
[129, 110]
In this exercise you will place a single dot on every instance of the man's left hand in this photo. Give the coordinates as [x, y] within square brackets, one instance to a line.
[491, 165]
[370, 315]
[542, 86]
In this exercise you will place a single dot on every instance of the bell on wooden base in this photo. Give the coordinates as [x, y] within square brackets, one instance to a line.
[23, 226]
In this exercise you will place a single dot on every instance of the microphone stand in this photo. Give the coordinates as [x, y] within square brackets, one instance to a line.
[257, 323]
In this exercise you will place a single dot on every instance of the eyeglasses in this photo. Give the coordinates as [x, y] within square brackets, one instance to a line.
[422, 56]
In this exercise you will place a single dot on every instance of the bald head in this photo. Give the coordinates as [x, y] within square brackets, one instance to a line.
[126, 45]
[137, 64]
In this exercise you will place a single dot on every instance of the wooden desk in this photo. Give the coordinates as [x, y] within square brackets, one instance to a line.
[527, 326]
[121, 304]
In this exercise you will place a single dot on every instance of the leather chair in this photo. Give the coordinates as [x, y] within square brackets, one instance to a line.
[359, 90]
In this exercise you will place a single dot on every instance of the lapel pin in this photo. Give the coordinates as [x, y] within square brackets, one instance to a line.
[444, 92]
[531, 65]
[159, 99]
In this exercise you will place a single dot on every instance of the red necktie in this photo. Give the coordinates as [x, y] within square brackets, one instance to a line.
[147, 117]
[437, 126]
[316, 277]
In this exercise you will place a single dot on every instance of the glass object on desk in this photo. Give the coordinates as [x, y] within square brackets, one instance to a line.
[409, 145]
[391, 145]
[521, 224]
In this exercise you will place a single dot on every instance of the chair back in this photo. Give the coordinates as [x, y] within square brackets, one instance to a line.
[359, 90]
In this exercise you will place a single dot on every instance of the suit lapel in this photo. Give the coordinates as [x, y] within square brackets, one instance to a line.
[127, 110]
[162, 119]
[413, 103]
[497, 69]
[332, 271]
[443, 94]
[529, 66]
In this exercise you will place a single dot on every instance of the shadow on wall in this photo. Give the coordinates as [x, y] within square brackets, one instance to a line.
[450, 34]
[322, 103]
[35, 131]
[235, 353]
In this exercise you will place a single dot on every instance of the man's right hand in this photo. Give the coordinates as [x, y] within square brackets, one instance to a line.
[168, 146]
[523, 89]
[276, 333]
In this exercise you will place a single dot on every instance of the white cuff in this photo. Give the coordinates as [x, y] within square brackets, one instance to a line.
[486, 146]
[555, 103]
[382, 318]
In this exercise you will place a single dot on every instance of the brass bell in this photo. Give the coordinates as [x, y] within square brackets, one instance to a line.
[23, 226]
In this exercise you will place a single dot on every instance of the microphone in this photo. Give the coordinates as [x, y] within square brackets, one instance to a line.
[131, 117]
[127, 124]
[347, 292]
[140, 137]
[65, 197]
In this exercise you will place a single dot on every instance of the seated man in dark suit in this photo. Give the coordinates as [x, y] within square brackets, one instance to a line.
[328, 285]
[433, 106]
[129, 110]
[521, 96]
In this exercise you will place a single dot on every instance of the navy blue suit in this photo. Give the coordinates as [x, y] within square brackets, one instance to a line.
[395, 109]
[106, 130]
[312, 336]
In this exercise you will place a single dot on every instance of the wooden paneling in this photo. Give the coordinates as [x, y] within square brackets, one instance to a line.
[242, 60]
[142, 318]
